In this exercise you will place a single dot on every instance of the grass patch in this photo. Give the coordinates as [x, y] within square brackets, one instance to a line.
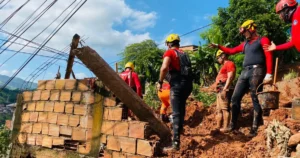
[291, 75]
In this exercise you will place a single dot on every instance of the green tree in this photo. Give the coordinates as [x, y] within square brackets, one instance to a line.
[147, 58]
[4, 141]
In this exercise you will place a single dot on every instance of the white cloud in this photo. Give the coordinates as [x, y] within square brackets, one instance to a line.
[80, 75]
[97, 19]
[7, 72]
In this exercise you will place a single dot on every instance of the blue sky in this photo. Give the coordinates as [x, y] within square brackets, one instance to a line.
[109, 25]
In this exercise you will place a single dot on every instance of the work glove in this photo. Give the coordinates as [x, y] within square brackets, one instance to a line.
[268, 78]
[213, 45]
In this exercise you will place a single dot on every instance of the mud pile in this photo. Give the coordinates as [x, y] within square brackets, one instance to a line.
[201, 139]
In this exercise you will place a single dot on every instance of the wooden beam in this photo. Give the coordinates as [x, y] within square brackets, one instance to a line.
[111, 79]
[74, 45]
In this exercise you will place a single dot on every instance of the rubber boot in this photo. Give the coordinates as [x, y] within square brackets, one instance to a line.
[219, 118]
[225, 121]
[256, 121]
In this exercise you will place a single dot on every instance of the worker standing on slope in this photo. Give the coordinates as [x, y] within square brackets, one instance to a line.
[225, 89]
[176, 68]
[132, 79]
[257, 68]
[164, 97]
[289, 12]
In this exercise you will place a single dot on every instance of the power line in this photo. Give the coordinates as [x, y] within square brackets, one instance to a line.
[5, 4]
[40, 32]
[44, 43]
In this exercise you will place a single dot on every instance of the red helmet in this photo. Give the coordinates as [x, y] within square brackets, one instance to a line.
[282, 4]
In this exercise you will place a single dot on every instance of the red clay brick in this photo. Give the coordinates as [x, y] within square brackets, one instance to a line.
[108, 154]
[62, 119]
[58, 141]
[26, 127]
[53, 130]
[37, 95]
[69, 108]
[45, 95]
[37, 128]
[40, 106]
[128, 145]
[54, 95]
[121, 129]
[134, 156]
[70, 84]
[65, 130]
[25, 116]
[105, 113]
[113, 143]
[60, 84]
[80, 109]
[45, 128]
[47, 141]
[22, 137]
[34, 116]
[65, 96]
[41, 84]
[78, 134]
[27, 96]
[59, 107]
[52, 118]
[50, 84]
[74, 120]
[103, 139]
[88, 97]
[115, 114]
[31, 139]
[118, 154]
[108, 127]
[24, 106]
[83, 85]
[76, 96]
[49, 106]
[86, 121]
[144, 148]
[89, 134]
[137, 129]
[43, 117]
[110, 101]
[84, 149]
[31, 106]
[39, 140]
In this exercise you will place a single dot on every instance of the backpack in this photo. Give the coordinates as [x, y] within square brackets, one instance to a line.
[185, 66]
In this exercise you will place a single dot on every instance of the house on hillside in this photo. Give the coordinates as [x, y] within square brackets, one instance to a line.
[189, 48]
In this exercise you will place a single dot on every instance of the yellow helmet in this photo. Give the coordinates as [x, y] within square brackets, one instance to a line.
[129, 65]
[219, 52]
[172, 37]
[248, 25]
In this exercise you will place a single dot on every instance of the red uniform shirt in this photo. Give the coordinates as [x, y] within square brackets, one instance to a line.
[295, 33]
[263, 41]
[166, 86]
[175, 63]
[228, 66]
[132, 80]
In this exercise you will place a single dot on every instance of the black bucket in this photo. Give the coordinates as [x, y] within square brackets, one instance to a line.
[268, 99]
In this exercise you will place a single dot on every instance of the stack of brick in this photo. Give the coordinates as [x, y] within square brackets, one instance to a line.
[123, 138]
[58, 115]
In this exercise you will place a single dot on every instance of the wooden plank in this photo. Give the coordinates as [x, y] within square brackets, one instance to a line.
[112, 80]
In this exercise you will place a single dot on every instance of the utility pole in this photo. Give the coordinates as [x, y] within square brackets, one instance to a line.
[117, 67]
[74, 45]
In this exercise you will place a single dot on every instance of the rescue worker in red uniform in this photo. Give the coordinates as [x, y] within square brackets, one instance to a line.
[176, 69]
[132, 79]
[225, 89]
[289, 12]
[257, 68]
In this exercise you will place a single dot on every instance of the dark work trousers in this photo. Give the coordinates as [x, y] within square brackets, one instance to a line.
[181, 88]
[250, 79]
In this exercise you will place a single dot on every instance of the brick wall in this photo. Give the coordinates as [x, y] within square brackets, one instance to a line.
[123, 138]
[58, 115]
